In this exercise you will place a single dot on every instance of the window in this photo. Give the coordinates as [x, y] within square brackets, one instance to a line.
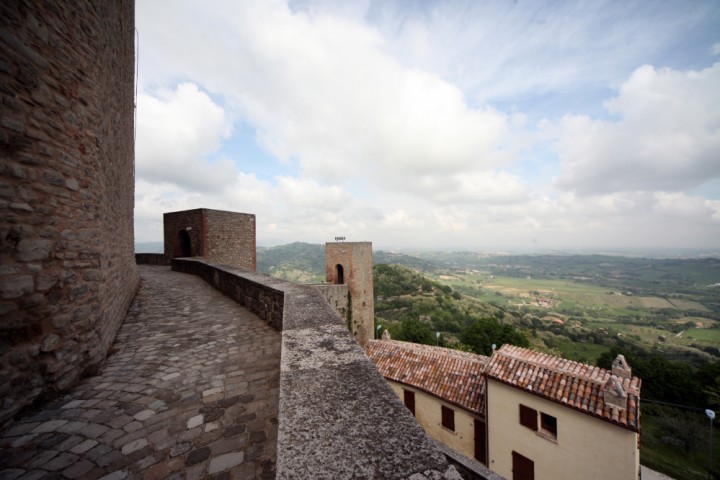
[548, 424]
[409, 398]
[522, 467]
[528, 417]
[448, 418]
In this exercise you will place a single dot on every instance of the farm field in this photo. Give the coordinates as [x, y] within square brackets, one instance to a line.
[576, 307]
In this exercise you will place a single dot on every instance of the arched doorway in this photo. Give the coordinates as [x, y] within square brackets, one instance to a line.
[184, 244]
[340, 275]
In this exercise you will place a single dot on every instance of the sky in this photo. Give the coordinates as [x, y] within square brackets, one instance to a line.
[502, 124]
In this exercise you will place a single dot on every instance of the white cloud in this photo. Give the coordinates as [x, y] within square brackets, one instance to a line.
[667, 136]
[321, 90]
[382, 132]
[177, 130]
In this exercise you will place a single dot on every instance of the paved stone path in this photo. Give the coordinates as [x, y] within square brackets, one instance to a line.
[191, 391]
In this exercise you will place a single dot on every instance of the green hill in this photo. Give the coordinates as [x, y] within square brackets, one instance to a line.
[298, 262]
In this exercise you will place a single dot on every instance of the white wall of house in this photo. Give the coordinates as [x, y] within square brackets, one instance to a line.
[428, 412]
[586, 447]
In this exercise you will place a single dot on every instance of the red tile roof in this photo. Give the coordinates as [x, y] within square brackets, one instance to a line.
[576, 385]
[452, 375]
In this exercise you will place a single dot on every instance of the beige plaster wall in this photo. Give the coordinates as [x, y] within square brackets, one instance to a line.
[586, 447]
[429, 416]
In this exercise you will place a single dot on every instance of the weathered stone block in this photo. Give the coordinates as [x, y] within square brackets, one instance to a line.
[15, 286]
[32, 249]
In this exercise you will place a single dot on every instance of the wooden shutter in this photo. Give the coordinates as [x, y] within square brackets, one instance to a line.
[409, 398]
[448, 418]
[528, 417]
[480, 442]
[523, 468]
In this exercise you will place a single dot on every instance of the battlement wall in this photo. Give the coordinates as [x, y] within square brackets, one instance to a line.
[338, 417]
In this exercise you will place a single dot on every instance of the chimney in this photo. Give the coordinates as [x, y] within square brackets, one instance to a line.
[621, 368]
[614, 394]
[386, 335]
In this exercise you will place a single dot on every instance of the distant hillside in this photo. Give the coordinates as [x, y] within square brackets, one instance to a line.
[419, 264]
[305, 262]
[297, 262]
[403, 294]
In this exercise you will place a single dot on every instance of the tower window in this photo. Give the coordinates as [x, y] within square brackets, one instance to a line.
[340, 274]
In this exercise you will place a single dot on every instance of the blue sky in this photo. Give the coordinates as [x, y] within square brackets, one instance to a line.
[475, 125]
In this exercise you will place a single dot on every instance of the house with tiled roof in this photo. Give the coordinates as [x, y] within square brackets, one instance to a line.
[443, 388]
[526, 415]
[552, 418]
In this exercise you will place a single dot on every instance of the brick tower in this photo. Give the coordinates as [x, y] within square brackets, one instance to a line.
[219, 236]
[351, 263]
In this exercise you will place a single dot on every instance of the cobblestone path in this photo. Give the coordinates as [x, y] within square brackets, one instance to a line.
[191, 391]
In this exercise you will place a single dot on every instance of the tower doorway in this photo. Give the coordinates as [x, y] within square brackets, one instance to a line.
[184, 244]
[340, 274]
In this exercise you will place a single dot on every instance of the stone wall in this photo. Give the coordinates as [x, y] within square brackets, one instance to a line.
[190, 221]
[231, 239]
[338, 417]
[67, 269]
[338, 297]
[151, 259]
[216, 235]
[356, 259]
[253, 291]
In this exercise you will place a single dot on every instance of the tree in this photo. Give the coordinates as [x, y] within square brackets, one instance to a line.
[413, 330]
[483, 333]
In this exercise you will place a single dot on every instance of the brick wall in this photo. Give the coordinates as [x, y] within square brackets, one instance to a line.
[67, 267]
[231, 239]
[174, 222]
[356, 260]
[216, 235]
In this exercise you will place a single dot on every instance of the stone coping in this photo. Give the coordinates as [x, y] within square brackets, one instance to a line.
[338, 417]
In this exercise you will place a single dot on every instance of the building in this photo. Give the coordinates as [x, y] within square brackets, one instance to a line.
[552, 418]
[443, 388]
[66, 191]
[526, 415]
[351, 263]
[216, 235]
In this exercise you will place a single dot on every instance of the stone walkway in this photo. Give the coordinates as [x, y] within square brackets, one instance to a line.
[191, 391]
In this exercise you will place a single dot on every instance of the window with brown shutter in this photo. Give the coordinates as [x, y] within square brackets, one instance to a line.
[409, 398]
[448, 418]
[528, 417]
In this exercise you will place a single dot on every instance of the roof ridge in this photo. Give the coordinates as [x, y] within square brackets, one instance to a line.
[562, 365]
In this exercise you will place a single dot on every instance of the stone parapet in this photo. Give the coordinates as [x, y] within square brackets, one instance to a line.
[338, 417]
[151, 259]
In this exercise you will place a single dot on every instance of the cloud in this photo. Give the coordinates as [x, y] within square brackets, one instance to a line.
[387, 124]
[177, 131]
[320, 90]
[667, 136]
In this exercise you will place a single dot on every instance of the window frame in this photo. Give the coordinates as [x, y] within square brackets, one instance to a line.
[409, 394]
[448, 417]
[549, 427]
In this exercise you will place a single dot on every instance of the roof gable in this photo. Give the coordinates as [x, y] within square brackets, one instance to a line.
[588, 389]
[451, 375]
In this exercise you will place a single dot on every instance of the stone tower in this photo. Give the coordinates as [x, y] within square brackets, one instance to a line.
[67, 190]
[351, 263]
[219, 236]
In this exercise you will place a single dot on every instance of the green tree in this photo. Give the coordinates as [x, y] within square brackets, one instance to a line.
[413, 330]
[484, 332]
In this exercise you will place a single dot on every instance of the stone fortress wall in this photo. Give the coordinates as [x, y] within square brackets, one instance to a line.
[219, 236]
[67, 267]
[351, 263]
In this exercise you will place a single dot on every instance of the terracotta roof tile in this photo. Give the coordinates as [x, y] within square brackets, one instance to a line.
[574, 384]
[452, 375]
